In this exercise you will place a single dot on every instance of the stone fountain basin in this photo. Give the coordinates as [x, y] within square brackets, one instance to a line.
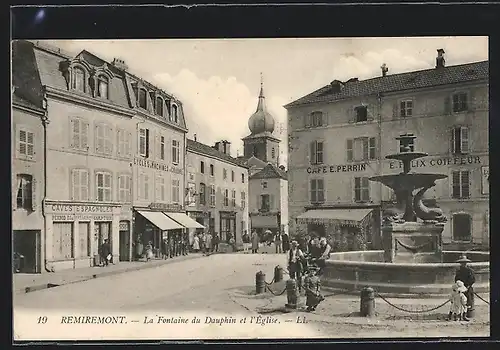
[358, 269]
[408, 181]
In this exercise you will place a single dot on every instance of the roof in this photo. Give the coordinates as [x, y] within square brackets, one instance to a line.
[253, 161]
[19, 101]
[199, 147]
[399, 82]
[265, 134]
[270, 171]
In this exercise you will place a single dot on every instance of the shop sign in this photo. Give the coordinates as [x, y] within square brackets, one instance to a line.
[79, 209]
[344, 168]
[485, 180]
[433, 162]
[227, 215]
[199, 214]
[71, 217]
[151, 164]
[165, 206]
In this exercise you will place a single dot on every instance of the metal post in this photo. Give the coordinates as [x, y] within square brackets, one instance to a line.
[291, 294]
[367, 304]
[260, 282]
[278, 274]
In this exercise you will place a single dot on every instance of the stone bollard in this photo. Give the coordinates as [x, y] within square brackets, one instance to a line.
[278, 274]
[260, 282]
[367, 304]
[291, 294]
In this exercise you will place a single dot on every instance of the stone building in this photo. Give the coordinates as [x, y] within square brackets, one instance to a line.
[218, 188]
[268, 186]
[340, 134]
[114, 155]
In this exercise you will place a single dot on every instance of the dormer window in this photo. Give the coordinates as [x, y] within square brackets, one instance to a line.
[159, 106]
[102, 86]
[175, 115]
[78, 82]
[142, 98]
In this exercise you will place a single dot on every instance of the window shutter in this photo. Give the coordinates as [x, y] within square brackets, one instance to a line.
[447, 105]
[259, 201]
[312, 154]
[349, 150]
[313, 191]
[325, 119]
[98, 138]
[30, 144]
[119, 142]
[84, 183]
[271, 202]
[129, 144]
[109, 139]
[307, 121]
[320, 190]
[373, 148]
[351, 115]
[369, 113]
[395, 110]
[452, 140]
[84, 136]
[33, 194]
[357, 189]
[75, 184]
[75, 133]
[464, 139]
[455, 186]
[365, 148]
[465, 185]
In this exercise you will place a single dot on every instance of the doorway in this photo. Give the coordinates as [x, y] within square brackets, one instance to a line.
[124, 241]
[103, 232]
[27, 251]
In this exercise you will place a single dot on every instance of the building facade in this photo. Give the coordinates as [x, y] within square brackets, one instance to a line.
[340, 134]
[114, 155]
[27, 144]
[218, 190]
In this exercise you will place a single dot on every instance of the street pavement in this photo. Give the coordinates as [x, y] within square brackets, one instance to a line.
[225, 285]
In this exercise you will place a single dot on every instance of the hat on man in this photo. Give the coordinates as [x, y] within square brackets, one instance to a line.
[295, 243]
[463, 259]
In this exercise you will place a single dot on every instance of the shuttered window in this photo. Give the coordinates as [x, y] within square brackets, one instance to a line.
[212, 195]
[24, 192]
[62, 241]
[124, 188]
[84, 237]
[243, 200]
[361, 189]
[460, 140]
[79, 134]
[124, 143]
[175, 152]
[175, 191]
[103, 187]
[25, 143]
[460, 102]
[316, 152]
[233, 198]
[203, 198]
[460, 184]
[143, 186]
[160, 188]
[226, 197]
[362, 148]
[462, 227]
[80, 184]
[317, 191]
[104, 139]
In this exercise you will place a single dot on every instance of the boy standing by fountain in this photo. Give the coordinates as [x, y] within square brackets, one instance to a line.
[458, 301]
[312, 286]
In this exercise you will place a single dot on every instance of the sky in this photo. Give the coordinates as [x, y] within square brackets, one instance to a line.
[218, 80]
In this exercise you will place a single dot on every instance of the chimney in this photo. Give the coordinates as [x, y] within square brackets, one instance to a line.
[440, 61]
[384, 69]
[227, 147]
[120, 64]
[195, 137]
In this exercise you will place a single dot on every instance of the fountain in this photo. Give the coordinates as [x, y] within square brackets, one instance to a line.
[412, 261]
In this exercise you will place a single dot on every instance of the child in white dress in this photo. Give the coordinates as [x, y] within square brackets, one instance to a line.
[458, 301]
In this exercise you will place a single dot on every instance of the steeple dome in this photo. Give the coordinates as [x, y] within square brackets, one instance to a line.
[261, 121]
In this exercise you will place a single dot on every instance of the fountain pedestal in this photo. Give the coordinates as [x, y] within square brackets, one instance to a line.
[412, 242]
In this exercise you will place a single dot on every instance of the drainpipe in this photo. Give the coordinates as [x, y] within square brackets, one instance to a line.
[380, 162]
[45, 122]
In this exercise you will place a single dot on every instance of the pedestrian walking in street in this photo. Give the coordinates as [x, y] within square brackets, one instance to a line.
[185, 243]
[458, 308]
[209, 243]
[246, 242]
[216, 241]
[278, 242]
[106, 253]
[139, 247]
[296, 263]
[164, 248]
[286, 242]
[255, 242]
[324, 250]
[312, 287]
[196, 244]
[149, 251]
[203, 243]
[467, 276]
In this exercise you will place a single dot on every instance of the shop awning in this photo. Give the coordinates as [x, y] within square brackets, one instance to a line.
[160, 220]
[259, 221]
[184, 220]
[347, 217]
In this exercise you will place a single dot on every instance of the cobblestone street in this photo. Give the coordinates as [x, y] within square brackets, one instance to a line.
[224, 284]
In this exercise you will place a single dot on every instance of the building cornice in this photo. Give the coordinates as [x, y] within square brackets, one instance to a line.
[87, 101]
[190, 150]
[28, 109]
[153, 118]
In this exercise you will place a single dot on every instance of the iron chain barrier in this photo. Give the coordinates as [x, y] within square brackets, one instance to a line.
[413, 311]
[477, 295]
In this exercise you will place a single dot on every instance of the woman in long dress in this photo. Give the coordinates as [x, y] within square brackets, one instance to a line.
[255, 242]
[196, 244]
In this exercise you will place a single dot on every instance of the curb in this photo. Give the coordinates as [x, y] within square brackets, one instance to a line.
[43, 286]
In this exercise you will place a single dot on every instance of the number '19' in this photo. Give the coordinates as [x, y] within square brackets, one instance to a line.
[42, 319]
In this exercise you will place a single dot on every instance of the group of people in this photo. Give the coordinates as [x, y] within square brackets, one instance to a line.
[462, 294]
[105, 253]
[175, 244]
[307, 268]
[205, 242]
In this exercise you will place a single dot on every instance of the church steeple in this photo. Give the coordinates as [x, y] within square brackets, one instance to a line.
[261, 105]
[261, 121]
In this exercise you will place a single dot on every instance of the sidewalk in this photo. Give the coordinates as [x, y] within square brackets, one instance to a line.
[25, 283]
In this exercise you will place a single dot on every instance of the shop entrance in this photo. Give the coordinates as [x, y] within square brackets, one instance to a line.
[124, 241]
[102, 232]
[27, 251]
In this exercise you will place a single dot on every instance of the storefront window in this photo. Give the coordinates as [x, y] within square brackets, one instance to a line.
[62, 240]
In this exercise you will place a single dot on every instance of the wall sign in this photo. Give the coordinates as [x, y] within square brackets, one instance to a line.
[79, 208]
[71, 217]
[151, 164]
[166, 207]
[424, 162]
[336, 168]
[485, 180]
